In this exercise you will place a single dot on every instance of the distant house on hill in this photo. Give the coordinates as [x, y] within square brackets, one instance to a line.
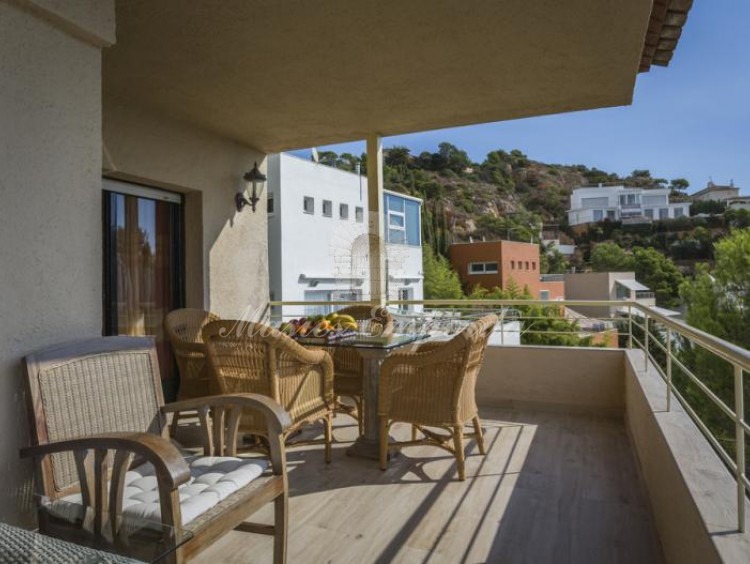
[739, 203]
[623, 203]
[716, 192]
[491, 264]
[608, 286]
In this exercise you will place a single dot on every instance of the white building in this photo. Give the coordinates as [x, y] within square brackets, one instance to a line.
[739, 203]
[623, 203]
[318, 247]
[717, 192]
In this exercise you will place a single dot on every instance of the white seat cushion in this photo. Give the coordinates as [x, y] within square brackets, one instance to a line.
[212, 479]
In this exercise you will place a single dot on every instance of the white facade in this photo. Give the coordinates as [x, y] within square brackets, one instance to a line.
[717, 193]
[739, 203]
[622, 203]
[317, 236]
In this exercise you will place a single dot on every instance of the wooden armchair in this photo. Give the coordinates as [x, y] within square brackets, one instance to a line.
[347, 363]
[97, 419]
[433, 386]
[182, 328]
[252, 357]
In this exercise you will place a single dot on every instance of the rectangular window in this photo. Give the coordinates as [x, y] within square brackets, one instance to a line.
[544, 295]
[343, 211]
[527, 265]
[649, 213]
[598, 215]
[359, 214]
[308, 204]
[533, 265]
[269, 203]
[590, 203]
[483, 268]
[402, 220]
[679, 212]
[327, 208]
[611, 215]
[413, 223]
[512, 265]
[663, 213]
[143, 267]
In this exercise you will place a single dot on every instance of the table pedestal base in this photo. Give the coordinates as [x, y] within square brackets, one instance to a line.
[364, 448]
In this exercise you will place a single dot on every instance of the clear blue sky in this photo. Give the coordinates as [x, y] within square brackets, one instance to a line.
[691, 119]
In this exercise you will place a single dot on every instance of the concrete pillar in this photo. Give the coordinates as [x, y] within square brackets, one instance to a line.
[375, 221]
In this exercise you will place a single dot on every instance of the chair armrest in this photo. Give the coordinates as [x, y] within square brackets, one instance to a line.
[277, 418]
[171, 468]
[104, 492]
[220, 430]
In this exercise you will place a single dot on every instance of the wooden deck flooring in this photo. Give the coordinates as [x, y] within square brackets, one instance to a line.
[552, 488]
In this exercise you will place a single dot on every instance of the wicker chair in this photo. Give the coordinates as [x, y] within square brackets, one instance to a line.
[433, 386]
[347, 363]
[252, 357]
[182, 328]
[100, 446]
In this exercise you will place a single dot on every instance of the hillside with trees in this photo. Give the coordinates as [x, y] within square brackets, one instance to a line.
[511, 196]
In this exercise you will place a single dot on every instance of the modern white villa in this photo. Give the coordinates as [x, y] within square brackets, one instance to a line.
[623, 203]
[318, 247]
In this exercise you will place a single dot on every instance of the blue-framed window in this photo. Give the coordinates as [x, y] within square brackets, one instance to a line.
[402, 221]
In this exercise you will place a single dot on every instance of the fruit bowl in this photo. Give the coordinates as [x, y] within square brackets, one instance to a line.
[321, 329]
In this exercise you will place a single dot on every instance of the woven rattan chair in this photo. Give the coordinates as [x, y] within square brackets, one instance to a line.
[347, 363]
[252, 357]
[433, 386]
[98, 426]
[182, 328]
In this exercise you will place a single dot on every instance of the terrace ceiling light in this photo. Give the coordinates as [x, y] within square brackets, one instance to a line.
[255, 179]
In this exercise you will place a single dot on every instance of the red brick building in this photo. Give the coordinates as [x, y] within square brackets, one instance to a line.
[494, 263]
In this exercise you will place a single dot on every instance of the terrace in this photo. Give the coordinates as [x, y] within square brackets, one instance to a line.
[592, 455]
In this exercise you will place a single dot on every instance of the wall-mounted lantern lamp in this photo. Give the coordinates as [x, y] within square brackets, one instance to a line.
[255, 179]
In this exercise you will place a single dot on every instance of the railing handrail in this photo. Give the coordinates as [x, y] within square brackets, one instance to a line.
[724, 349]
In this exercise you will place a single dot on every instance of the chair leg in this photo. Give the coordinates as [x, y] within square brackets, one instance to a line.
[329, 436]
[413, 432]
[281, 526]
[383, 443]
[479, 435]
[458, 445]
[173, 426]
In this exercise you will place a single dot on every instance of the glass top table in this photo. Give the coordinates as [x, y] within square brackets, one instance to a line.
[361, 341]
[373, 350]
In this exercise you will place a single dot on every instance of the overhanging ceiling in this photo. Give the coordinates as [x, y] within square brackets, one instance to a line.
[279, 75]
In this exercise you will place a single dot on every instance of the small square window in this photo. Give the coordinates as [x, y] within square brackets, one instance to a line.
[359, 214]
[343, 211]
[490, 267]
[269, 203]
[544, 295]
[327, 208]
[308, 204]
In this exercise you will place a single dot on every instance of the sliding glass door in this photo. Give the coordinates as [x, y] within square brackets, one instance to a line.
[143, 264]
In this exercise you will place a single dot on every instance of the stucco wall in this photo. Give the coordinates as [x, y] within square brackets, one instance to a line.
[693, 496]
[227, 251]
[50, 223]
[556, 378]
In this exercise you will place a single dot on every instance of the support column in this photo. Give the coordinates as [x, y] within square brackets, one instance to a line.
[375, 222]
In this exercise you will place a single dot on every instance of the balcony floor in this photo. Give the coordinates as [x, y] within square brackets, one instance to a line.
[553, 488]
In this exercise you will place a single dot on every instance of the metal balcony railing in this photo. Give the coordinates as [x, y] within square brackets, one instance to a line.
[670, 346]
